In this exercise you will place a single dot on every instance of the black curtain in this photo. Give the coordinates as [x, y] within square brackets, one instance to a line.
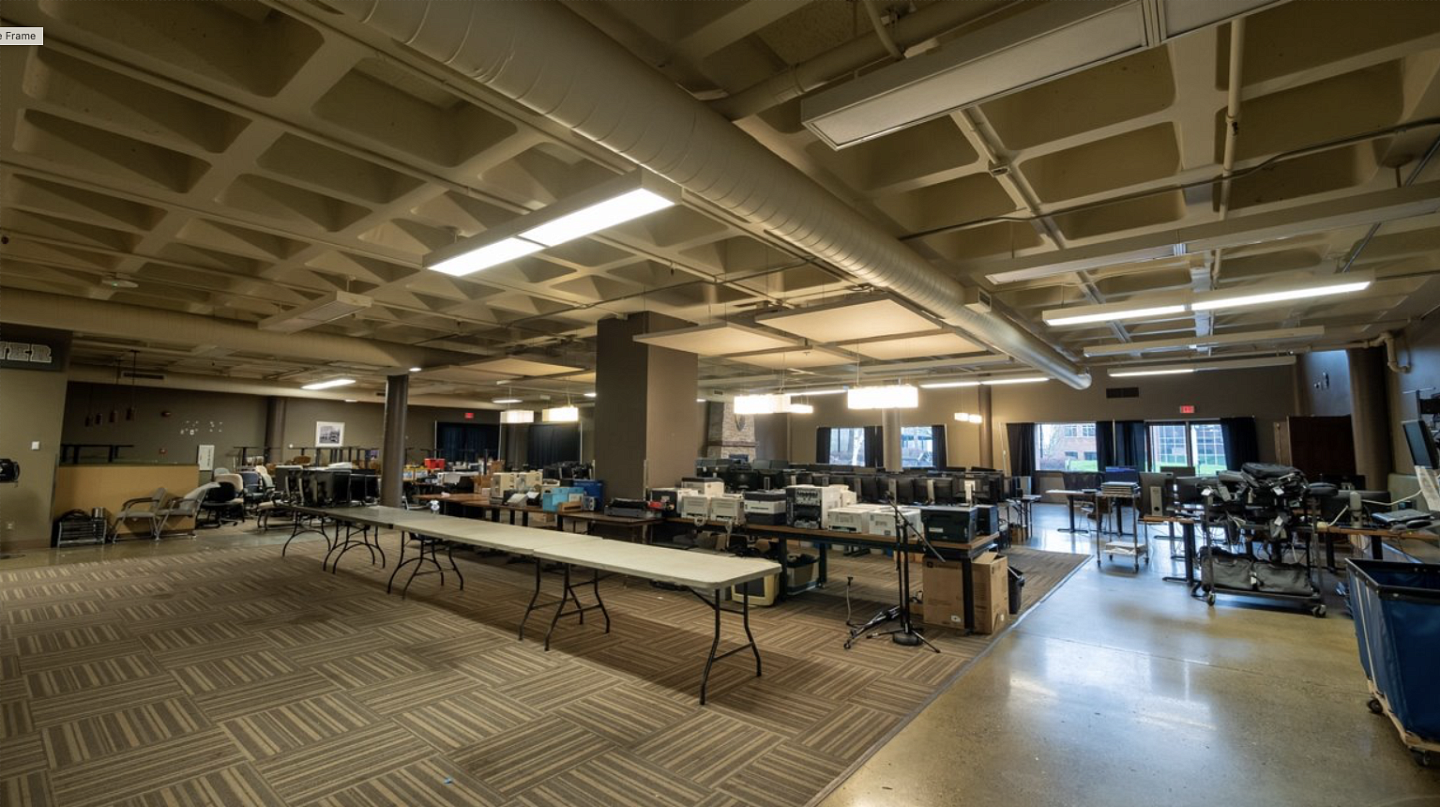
[822, 445]
[1131, 444]
[1242, 443]
[1022, 448]
[1105, 454]
[874, 447]
[553, 442]
[939, 458]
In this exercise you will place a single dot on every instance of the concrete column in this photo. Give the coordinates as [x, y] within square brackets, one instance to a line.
[987, 431]
[392, 446]
[890, 422]
[646, 417]
[1370, 415]
[275, 428]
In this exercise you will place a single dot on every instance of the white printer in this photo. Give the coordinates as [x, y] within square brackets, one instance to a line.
[694, 506]
[704, 484]
[728, 507]
[808, 504]
[882, 521]
[850, 518]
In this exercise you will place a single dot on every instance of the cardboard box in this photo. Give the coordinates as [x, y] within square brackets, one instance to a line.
[944, 588]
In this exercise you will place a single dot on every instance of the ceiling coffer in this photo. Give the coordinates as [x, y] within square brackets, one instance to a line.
[547, 59]
[323, 309]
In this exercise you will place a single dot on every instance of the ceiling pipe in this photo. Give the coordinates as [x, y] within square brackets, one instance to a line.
[92, 374]
[108, 318]
[549, 60]
[877, 21]
[907, 32]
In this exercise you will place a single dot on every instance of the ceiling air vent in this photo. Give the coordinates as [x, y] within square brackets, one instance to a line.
[1122, 392]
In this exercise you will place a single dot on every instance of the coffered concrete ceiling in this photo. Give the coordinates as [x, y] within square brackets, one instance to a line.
[237, 159]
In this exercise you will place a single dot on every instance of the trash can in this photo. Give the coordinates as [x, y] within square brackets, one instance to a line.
[1397, 628]
[1017, 584]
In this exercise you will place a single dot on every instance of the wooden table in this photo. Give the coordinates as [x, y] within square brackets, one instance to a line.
[484, 505]
[1377, 534]
[1187, 530]
[636, 527]
[450, 503]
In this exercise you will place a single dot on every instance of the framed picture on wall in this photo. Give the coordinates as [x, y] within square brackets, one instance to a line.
[329, 434]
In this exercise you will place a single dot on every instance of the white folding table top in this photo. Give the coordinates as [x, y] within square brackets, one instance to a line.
[677, 567]
[522, 541]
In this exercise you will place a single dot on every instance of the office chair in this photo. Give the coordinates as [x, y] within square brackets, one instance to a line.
[224, 501]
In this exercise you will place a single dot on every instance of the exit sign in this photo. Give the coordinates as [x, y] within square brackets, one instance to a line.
[1187, 409]
[471, 415]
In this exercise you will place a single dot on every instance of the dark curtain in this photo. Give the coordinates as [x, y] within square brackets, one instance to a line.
[1022, 448]
[1105, 453]
[553, 442]
[939, 458]
[874, 447]
[1131, 444]
[1242, 443]
[822, 445]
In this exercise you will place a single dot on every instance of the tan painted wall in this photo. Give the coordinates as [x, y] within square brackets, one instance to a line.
[1423, 356]
[31, 406]
[1322, 383]
[83, 487]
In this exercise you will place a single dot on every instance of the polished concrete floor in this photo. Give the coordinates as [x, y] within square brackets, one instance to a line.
[1121, 690]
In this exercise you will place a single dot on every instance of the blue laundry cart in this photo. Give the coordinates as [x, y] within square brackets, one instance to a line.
[1397, 626]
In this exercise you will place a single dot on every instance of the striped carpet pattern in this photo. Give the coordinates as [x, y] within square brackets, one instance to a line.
[236, 677]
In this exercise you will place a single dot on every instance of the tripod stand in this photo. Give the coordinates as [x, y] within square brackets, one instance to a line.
[905, 632]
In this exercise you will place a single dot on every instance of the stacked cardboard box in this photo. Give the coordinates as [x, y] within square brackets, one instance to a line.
[945, 593]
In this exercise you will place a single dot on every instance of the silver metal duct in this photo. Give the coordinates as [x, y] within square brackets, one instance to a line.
[549, 60]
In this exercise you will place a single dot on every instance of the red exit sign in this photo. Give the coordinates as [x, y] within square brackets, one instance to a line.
[471, 415]
[1187, 409]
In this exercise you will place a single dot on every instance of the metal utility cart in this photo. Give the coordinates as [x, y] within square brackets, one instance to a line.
[1259, 569]
[1397, 624]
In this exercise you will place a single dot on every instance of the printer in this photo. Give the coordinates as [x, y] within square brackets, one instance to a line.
[728, 507]
[850, 518]
[668, 498]
[808, 504]
[708, 485]
[506, 482]
[882, 521]
[955, 524]
[764, 507]
[694, 506]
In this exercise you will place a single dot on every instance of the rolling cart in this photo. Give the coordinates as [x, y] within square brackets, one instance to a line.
[1246, 575]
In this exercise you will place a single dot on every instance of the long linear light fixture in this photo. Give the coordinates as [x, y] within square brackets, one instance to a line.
[1034, 379]
[612, 202]
[1237, 298]
[562, 414]
[899, 396]
[1177, 369]
[1165, 305]
[517, 416]
[334, 382]
[770, 404]
[949, 384]
[1211, 340]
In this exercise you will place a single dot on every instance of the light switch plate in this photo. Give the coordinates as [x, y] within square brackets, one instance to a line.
[34, 445]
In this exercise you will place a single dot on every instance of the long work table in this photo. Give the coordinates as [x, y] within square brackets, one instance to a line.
[696, 571]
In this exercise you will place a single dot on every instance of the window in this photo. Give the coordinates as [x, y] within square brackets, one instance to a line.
[917, 447]
[847, 446]
[1061, 446]
[1197, 444]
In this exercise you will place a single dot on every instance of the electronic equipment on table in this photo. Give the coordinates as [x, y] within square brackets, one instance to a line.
[1124, 490]
[850, 518]
[727, 507]
[703, 485]
[808, 504]
[633, 508]
[695, 506]
[765, 507]
[958, 524]
[1405, 519]
[1157, 493]
[881, 521]
[668, 498]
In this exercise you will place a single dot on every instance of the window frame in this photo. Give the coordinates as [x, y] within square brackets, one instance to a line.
[1191, 459]
[857, 443]
[1069, 429]
[930, 439]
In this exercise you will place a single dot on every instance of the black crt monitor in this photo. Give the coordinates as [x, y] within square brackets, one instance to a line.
[1421, 442]
[743, 479]
[1121, 474]
[943, 489]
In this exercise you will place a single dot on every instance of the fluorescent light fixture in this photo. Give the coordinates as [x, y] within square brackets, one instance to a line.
[764, 404]
[517, 416]
[899, 396]
[963, 417]
[1237, 298]
[1210, 340]
[351, 400]
[322, 309]
[589, 395]
[992, 382]
[561, 414]
[949, 384]
[1134, 373]
[334, 382]
[1110, 312]
[1200, 367]
[416, 369]
[621, 199]
[1028, 48]
[699, 400]
[809, 392]
[506, 400]
[801, 409]
[597, 217]
[976, 419]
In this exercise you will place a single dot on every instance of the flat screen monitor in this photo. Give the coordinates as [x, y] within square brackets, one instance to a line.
[1178, 470]
[1422, 444]
[986, 487]
[905, 490]
[327, 488]
[1120, 474]
[1190, 489]
[742, 479]
[870, 488]
[943, 489]
[1153, 485]
[1072, 480]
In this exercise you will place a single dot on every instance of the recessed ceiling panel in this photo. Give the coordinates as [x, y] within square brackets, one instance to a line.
[850, 322]
[464, 375]
[914, 347]
[511, 366]
[717, 340]
[796, 359]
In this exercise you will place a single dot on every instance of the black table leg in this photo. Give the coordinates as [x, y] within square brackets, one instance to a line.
[533, 598]
[1377, 548]
[710, 659]
[968, 594]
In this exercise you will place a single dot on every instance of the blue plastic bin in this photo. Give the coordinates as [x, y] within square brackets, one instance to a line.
[1397, 625]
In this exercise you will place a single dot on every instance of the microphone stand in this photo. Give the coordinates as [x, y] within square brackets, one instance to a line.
[904, 633]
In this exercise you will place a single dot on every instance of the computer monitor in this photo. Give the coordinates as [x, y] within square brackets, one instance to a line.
[905, 490]
[742, 479]
[328, 488]
[943, 489]
[1115, 473]
[1072, 480]
[870, 488]
[1178, 470]
[1190, 489]
[1421, 442]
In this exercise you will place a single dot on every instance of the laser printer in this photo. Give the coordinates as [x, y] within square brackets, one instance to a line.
[765, 507]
